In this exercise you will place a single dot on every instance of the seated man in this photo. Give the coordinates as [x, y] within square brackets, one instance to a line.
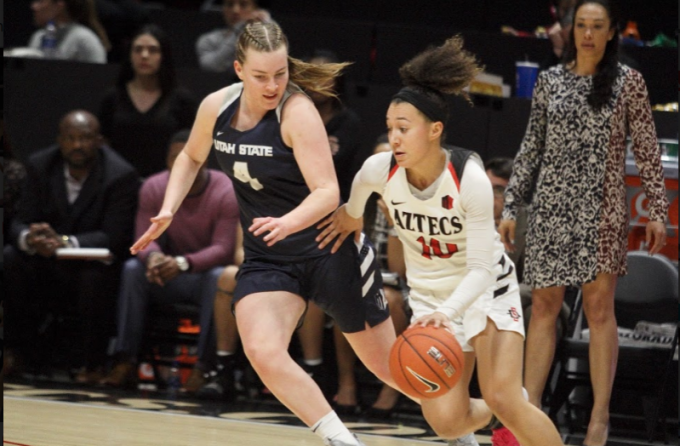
[77, 193]
[181, 266]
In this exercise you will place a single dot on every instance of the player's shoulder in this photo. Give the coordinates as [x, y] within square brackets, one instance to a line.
[226, 95]
[379, 161]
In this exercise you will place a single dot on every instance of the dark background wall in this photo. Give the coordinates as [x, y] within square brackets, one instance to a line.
[40, 92]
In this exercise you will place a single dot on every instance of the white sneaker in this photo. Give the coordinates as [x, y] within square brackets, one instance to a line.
[468, 440]
[343, 443]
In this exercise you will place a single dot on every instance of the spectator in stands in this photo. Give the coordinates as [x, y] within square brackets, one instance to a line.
[343, 126]
[183, 266]
[221, 380]
[78, 194]
[570, 167]
[216, 50]
[558, 32]
[13, 175]
[378, 226]
[146, 107]
[80, 36]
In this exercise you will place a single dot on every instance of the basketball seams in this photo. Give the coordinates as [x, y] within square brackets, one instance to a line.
[407, 362]
[425, 359]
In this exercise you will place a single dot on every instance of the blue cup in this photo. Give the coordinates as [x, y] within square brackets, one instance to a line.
[525, 77]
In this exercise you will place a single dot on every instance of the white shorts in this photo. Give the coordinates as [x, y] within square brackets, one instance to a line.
[501, 303]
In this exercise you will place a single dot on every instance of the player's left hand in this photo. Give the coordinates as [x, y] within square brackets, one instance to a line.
[656, 236]
[436, 319]
[338, 227]
[277, 228]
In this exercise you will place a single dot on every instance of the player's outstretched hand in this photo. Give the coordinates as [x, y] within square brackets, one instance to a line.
[159, 224]
[277, 228]
[337, 227]
[507, 231]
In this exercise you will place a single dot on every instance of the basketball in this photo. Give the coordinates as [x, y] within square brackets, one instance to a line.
[426, 362]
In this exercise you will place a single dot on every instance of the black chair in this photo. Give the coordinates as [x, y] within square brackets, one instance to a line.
[170, 338]
[648, 293]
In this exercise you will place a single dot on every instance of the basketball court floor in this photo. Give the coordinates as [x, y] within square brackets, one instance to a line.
[47, 413]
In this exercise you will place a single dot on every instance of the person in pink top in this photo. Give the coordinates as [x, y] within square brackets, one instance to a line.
[183, 266]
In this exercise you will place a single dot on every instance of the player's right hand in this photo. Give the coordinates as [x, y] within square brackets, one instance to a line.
[507, 231]
[159, 224]
[338, 227]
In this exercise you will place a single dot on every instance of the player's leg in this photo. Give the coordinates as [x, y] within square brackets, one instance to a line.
[266, 322]
[455, 414]
[373, 345]
[546, 304]
[499, 369]
[598, 306]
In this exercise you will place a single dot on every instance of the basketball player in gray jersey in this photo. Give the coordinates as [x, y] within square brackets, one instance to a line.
[269, 138]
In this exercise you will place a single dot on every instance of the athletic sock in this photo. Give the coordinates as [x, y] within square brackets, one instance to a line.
[330, 427]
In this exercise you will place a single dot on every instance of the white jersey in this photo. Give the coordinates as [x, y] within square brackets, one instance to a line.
[448, 233]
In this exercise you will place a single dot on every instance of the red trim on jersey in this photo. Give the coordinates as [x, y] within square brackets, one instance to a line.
[392, 172]
[453, 174]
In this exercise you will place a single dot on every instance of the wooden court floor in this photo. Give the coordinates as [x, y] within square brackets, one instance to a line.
[33, 422]
[57, 414]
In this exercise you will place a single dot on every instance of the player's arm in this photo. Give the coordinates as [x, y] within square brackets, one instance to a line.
[348, 218]
[477, 201]
[185, 168]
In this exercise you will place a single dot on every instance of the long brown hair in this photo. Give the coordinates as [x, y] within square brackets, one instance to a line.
[268, 37]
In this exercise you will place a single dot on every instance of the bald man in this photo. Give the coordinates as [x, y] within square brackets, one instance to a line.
[78, 194]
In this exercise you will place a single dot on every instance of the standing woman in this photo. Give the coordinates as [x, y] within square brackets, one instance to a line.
[460, 279]
[572, 158]
[270, 140]
[144, 110]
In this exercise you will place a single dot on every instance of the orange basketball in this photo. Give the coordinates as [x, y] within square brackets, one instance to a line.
[426, 362]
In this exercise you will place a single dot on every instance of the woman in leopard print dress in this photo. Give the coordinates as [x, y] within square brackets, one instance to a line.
[570, 169]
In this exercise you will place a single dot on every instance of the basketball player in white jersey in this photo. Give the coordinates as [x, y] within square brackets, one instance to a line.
[441, 202]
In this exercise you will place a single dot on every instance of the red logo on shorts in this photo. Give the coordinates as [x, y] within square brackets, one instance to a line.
[514, 314]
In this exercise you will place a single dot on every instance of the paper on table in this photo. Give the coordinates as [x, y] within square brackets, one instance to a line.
[84, 253]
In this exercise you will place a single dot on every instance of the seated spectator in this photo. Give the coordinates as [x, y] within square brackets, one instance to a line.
[144, 110]
[343, 126]
[216, 50]
[221, 380]
[13, 176]
[80, 36]
[79, 194]
[182, 266]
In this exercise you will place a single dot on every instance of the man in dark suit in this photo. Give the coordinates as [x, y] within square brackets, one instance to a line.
[77, 194]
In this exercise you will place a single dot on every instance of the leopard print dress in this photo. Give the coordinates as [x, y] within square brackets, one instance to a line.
[570, 171]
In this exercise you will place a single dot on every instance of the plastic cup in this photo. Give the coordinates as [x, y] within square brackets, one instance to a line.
[526, 74]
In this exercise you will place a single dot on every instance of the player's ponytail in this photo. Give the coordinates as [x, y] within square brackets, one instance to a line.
[438, 71]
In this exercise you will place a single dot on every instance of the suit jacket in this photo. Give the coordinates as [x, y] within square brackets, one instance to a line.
[103, 214]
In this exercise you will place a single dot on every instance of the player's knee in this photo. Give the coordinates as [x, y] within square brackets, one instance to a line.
[500, 401]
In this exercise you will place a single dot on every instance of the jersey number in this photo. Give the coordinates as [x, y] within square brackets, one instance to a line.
[241, 173]
[434, 248]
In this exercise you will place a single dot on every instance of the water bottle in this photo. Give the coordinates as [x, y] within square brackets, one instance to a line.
[49, 41]
[174, 380]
